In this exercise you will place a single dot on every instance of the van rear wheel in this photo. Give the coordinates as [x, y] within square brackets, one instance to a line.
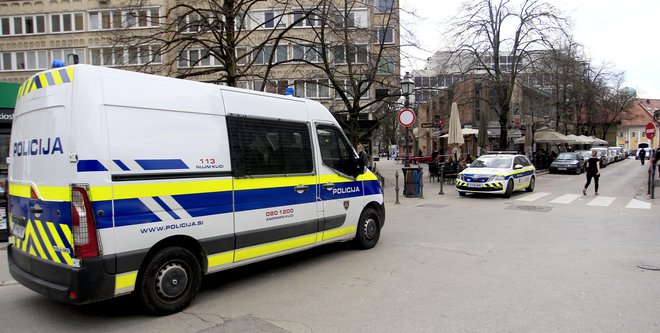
[170, 281]
[368, 229]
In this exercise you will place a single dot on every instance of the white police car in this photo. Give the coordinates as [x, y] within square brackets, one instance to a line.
[498, 173]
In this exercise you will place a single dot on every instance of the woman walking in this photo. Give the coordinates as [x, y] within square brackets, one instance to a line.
[593, 171]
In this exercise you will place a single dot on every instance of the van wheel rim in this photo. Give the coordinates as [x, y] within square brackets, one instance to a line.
[370, 228]
[172, 280]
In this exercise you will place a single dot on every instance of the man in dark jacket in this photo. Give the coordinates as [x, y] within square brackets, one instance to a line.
[642, 155]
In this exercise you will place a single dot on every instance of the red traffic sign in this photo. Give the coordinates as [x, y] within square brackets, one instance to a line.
[650, 131]
[406, 117]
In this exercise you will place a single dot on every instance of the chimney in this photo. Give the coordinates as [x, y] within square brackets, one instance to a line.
[648, 101]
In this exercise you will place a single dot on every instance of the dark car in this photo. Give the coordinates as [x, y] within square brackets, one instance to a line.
[568, 162]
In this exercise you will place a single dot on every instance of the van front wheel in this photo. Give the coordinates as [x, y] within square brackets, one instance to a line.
[368, 229]
[170, 281]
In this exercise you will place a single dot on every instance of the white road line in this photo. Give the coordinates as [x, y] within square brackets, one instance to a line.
[566, 198]
[535, 196]
[601, 201]
[638, 204]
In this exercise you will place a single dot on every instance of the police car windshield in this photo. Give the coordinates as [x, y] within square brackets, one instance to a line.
[492, 162]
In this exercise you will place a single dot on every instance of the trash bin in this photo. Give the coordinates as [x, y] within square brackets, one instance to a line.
[412, 178]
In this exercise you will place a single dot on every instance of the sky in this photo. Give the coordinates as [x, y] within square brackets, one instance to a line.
[621, 34]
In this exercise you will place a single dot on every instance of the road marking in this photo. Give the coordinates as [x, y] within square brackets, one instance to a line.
[566, 198]
[638, 204]
[601, 201]
[534, 196]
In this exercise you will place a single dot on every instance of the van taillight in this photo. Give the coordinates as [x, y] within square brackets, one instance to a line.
[84, 227]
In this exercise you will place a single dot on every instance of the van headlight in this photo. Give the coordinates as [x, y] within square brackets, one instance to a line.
[495, 178]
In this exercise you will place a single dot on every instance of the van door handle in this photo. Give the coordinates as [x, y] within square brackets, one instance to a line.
[328, 186]
[36, 210]
[301, 188]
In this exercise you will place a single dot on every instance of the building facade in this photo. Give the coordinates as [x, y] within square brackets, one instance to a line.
[631, 131]
[277, 47]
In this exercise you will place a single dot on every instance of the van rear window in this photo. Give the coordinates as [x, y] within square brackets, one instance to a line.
[269, 147]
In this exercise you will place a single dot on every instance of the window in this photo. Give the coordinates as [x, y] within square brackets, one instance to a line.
[307, 53]
[385, 35]
[383, 6]
[263, 56]
[311, 21]
[336, 152]
[633, 133]
[67, 22]
[387, 65]
[313, 89]
[109, 56]
[274, 20]
[23, 25]
[28, 60]
[196, 58]
[277, 87]
[63, 54]
[357, 54]
[192, 22]
[345, 21]
[348, 89]
[269, 147]
[142, 55]
[135, 18]
[242, 55]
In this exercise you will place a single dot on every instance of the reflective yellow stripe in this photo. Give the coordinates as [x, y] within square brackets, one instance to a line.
[29, 234]
[67, 233]
[57, 77]
[160, 189]
[46, 240]
[220, 259]
[334, 233]
[262, 250]
[334, 178]
[58, 242]
[367, 176]
[261, 183]
[100, 193]
[42, 79]
[125, 280]
[69, 70]
[19, 190]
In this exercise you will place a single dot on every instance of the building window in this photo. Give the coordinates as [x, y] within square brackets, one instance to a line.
[274, 19]
[385, 35]
[310, 21]
[312, 88]
[191, 23]
[348, 89]
[387, 66]
[383, 6]
[68, 22]
[63, 54]
[306, 53]
[23, 25]
[621, 134]
[633, 133]
[135, 18]
[242, 55]
[143, 55]
[196, 58]
[262, 56]
[358, 54]
[24, 60]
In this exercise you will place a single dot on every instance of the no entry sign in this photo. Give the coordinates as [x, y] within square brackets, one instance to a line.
[406, 117]
[650, 131]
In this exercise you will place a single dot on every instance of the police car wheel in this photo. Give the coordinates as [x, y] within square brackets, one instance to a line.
[462, 194]
[368, 229]
[532, 182]
[170, 281]
[509, 189]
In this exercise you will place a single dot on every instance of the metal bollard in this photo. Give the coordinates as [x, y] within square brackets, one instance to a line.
[442, 178]
[421, 182]
[396, 188]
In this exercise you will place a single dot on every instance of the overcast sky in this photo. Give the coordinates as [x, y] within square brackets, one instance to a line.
[623, 34]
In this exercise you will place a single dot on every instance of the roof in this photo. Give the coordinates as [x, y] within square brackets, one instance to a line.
[642, 112]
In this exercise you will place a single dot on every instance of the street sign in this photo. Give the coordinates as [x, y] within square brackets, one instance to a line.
[406, 117]
[650, 131]
[430, 125]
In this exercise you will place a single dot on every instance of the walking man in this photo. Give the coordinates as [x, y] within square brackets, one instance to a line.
[642, 155]
[593, 171]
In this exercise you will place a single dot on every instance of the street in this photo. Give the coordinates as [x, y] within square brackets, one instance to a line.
[548, 261]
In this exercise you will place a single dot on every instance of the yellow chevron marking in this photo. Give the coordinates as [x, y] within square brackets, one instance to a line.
[47, 245]
[69, 71]
[58, 242]
[67, 233]
[57, 77]
[33, 236]
[125, 280]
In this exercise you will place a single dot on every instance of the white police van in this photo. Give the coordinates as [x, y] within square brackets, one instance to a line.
[122, 182]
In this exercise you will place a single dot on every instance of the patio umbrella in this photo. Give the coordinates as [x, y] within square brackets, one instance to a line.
[482, 136]
[529, 138]
[548, 135]
[455, 138]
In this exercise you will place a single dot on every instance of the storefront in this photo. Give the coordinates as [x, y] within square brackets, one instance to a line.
[8, 92]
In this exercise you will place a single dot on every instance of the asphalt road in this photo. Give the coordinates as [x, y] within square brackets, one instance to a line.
[548, 261]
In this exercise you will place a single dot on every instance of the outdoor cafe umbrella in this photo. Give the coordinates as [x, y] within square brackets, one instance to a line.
[455, 138]
[548, 135]
[482, 136]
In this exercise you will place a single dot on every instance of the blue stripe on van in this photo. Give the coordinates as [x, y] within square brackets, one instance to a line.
[372, 187]
[131, 212]
[121, 165]
[272, 197]
[90, 166]
[203, 204]
[166, 208]
[162, 164]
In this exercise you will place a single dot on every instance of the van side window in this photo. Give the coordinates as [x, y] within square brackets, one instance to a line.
[336, 152]
[269, 147]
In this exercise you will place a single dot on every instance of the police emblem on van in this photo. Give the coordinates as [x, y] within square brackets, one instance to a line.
[346, 204]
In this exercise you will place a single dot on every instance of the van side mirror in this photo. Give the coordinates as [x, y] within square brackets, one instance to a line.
[360, 164]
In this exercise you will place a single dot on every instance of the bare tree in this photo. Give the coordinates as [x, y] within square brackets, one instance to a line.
[500, 40]
[614, 105]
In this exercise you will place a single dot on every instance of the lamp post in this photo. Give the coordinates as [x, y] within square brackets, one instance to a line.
[407, 85]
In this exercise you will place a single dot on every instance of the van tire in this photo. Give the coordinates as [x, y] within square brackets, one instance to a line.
[368, 229]
[157, 287]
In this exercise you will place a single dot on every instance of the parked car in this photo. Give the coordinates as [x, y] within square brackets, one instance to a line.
[604, 155]
[586, 154]
[568, 162]
[617, 152]
[632, 152]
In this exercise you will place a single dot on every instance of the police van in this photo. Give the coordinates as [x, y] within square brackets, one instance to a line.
[121, 182]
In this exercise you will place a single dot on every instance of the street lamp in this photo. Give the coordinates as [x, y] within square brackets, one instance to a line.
[407, 85]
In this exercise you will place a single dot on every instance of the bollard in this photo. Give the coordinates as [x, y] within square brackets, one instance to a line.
[442, 178]
[396, 187]
[421, 182]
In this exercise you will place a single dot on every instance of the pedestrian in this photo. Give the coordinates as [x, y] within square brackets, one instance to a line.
[642, 155]
[593, 171]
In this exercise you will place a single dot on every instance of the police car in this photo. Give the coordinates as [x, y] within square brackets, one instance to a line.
[498, 173]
